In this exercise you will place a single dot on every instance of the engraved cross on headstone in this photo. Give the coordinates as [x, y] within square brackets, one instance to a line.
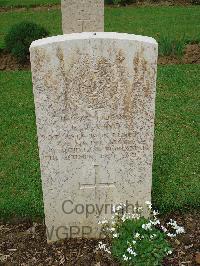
[76, 13]
[97, 183]
[83, 21]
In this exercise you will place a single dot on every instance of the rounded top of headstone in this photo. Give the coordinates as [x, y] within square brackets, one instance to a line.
[93, 35]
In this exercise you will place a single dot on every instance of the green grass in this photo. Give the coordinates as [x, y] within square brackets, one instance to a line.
[173, 22]
[27, 3]
[173, 47]
[176, 161]
[20, 186]
[156, 21]
[176, 171]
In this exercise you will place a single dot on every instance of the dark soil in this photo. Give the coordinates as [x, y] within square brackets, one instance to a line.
[165, 2]
[9, 62]
[31, 8]
[22, 8]
[187, 246]
[25, 244]
[191, 56]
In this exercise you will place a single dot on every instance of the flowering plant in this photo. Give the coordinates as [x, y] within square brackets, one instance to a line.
[136, 240]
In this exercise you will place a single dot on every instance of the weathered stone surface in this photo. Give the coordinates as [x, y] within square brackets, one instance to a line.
[95, 100]
[82, 16]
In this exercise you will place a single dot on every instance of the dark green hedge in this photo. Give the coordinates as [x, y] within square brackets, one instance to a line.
[20, 37]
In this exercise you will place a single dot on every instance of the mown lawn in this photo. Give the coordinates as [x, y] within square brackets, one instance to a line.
[20, 186]
[176, 160]
[27, 3]
[171, 22]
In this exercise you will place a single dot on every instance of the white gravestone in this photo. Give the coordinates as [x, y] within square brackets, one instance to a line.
[95, 102]
[84, 15]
